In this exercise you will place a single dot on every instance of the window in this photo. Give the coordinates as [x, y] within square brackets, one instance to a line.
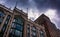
[34, 34]
[17, 28]
[34, 28]
[28, 30]
[41, 33]
[15, 33]
[7, 20]
[5, 25]
[1, 16]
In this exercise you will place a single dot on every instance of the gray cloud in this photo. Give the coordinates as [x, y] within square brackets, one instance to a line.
[52, 4]
[41, 5]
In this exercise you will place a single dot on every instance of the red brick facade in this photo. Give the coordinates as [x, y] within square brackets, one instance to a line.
[50, 28]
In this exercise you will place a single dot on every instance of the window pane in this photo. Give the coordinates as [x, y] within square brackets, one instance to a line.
[34, 34]
[18, 20]
[41, 34]
[34, 29]
[19, 27]
[28, 30]
[18, 33]
[1, 19]
[1, 16]
[6, 23]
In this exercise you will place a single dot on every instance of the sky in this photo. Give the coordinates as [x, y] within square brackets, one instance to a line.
[35, 8]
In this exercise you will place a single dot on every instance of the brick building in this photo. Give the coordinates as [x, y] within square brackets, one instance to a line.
[50, 28]
[15, 23]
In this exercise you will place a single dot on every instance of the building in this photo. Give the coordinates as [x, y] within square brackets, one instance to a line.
[15, 23]
[50, 28]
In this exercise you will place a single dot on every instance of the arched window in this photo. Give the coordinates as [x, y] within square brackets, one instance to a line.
[1, 16]
[17, 27]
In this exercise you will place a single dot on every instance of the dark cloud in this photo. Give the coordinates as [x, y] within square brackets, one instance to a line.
[20, 3]
[41, 5]
[44, 4]
[23, 3]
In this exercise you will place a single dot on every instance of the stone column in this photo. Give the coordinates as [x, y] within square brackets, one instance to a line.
[25, 29]
[31, 30]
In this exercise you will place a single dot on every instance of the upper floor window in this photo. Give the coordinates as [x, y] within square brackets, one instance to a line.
[41, 33]
[1, 16]
[18, 20]
[7, 20]
[17, 26]
[28, 30]
[6, 23]
[33, 28]
[34, 32]
[4, 26]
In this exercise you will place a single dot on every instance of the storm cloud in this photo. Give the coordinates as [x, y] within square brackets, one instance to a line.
[36, 8]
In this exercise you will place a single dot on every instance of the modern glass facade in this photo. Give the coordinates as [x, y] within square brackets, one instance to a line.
[17, 28]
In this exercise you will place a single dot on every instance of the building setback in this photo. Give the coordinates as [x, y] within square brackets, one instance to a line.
[15, 23]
